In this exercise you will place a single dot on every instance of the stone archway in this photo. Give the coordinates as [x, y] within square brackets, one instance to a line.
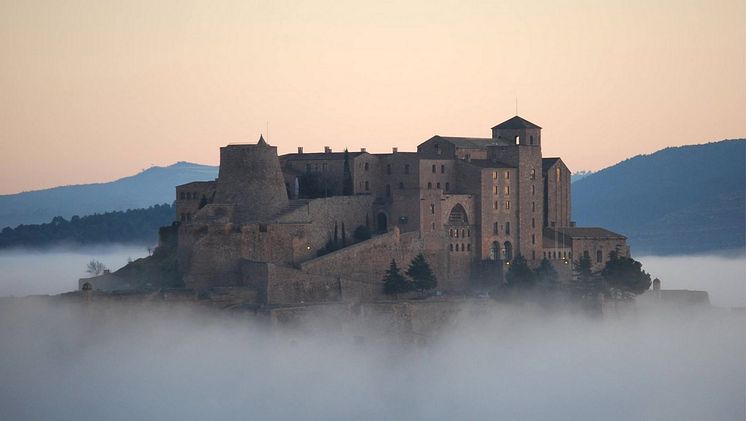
[382, 223]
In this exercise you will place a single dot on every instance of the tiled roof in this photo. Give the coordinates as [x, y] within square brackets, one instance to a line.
[488, 163]
[516, 123]
[582, 232]
[546, 163]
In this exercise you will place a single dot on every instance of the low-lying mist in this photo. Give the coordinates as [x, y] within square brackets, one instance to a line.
[53, 271]
[94, 362]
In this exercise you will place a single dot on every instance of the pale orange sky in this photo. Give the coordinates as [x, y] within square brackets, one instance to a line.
[95, 90]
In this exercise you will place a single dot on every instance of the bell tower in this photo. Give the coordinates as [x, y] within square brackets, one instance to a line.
[518, 131]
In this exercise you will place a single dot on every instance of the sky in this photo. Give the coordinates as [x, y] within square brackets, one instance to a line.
[96, 90]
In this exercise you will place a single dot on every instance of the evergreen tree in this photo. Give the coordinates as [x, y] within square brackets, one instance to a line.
[586, 284]
[394, 282]
[546, 276]
[519, 275]
[421, 274]
[347, 186]
[625, 277]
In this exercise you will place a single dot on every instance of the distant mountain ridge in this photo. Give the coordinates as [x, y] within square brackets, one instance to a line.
[679, 200]
[149, 187]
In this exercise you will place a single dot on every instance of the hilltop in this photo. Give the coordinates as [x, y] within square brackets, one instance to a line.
[152, 186]
[679, 200]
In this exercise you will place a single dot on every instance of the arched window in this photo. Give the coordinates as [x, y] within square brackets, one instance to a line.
[458, 216]
[533, 174]
[517, 140]
[495, 251]
[508, 251]
[451, 247]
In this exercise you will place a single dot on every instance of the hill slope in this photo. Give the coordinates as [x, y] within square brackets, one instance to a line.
[152, 186]
[688, 199]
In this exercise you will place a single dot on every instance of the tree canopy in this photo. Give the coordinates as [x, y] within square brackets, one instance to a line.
[130, 226]
[421, 274]
[394, 282]
[519, 275]
[624, 277]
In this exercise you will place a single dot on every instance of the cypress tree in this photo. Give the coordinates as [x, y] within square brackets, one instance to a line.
[394, 282]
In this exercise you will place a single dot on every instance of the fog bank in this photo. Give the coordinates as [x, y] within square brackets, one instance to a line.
[26, 272]
[80, 363]
[722, 276]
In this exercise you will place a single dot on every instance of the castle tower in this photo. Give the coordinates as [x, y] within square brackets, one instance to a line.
[517, 142]
[250, 177]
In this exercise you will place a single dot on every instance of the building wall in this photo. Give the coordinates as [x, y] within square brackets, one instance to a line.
[594, 246]
[557, 199]
[190, 196]
[499, 221]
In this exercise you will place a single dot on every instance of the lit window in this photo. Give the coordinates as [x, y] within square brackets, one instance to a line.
[507, 189]
[507, 175]
[494, 188]
[533, 174]
[494, 175]
[507, 205]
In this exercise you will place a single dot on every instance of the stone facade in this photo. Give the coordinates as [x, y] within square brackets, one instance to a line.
[284, 226]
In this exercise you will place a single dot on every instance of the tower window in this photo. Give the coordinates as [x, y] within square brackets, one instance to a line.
[367, 185]
[533, 189]
[507, 175]
[507, 189]
[406, 169]
[533, 222]
[494, 228]
[517, 140]
[507, 205]
[437, 152]
[442, 169]
[432, 209]
[494, 205]
[531, 140]
[533, 238]
[494, 188]
[533, 206]
[533, 174]
[434, 170]
[494, 175]
[388, 169]
[507, 228]
[437, 185]
[366, 166]
[429, 185]
[448, 187]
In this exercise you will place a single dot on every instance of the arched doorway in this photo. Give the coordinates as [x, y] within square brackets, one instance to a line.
[495, 251]
[382, 223]
[508, 251]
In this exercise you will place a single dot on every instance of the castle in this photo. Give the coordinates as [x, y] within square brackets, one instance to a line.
[295, 228]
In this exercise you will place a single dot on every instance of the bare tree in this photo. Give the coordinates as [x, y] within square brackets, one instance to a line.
[95, 268]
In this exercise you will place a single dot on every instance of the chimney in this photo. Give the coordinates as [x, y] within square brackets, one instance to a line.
[363, 150]
[327, 149]
[300, 150]
[395, 149]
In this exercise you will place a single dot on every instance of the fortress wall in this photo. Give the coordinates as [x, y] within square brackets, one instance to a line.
[215, 259]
